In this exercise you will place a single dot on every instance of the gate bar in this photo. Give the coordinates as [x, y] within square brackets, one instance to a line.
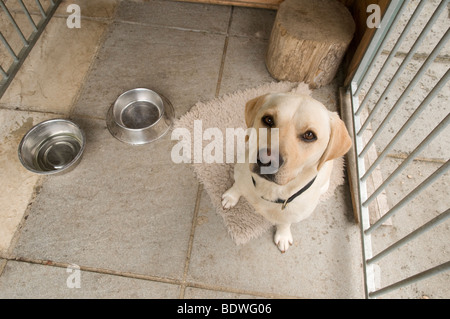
[16, 27]
[430, 97]
[438, 173]
[8, 47]
[419, 231]
[437, 130]
[3, 72]
[27, 13]
[41, 9]
[410, 280]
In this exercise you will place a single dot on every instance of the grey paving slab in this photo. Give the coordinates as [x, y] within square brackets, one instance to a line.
[125, 208]
[430, 249]
[183, 15]
[251, 22]
[30, 281]
[182, 65]
[244, 64]
[324, 261]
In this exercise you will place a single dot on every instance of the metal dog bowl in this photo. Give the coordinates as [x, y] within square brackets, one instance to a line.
[51, 147]
[140, 116]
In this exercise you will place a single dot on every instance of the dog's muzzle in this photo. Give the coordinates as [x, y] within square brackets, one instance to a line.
[268, 163]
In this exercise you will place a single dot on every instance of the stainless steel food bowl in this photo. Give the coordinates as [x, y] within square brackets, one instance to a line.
[140, 116]
[51, 147]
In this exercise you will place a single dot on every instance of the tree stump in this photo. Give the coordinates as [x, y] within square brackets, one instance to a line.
[309, 40]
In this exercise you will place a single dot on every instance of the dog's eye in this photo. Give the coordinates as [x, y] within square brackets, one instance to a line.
[309, 137]
[268, 120]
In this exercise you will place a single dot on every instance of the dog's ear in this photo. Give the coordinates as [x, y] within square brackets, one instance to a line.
[339, 143]
[251, 109]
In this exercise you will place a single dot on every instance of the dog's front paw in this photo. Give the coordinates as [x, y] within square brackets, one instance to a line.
[230, 198]
[283, 238]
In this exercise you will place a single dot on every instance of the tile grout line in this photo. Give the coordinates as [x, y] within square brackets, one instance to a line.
[417, 159]
[103, 271]
[4, 106]
[418, 56]
[162, 26]
[224, 54]
[166, 280]
[191, 241]
[155, 25]
[241, 291]
[59, 114]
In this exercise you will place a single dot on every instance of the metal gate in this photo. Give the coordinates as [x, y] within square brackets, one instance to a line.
[19, 37]
[392, 91]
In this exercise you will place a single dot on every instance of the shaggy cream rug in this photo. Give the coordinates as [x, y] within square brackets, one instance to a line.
[241, 221]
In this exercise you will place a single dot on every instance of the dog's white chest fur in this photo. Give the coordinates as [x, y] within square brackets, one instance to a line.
[262, 195]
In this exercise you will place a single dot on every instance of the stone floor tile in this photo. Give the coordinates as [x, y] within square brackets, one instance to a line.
[182, 15]
[126, 208]
[89, 8]
[51, 84]
[32, 281]
[17, 186]
[244, 65]
[251, 22]
[182, 66]
[322, 263]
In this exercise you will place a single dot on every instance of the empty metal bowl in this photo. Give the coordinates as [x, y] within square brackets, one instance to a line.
[140, 116]
[51, 147]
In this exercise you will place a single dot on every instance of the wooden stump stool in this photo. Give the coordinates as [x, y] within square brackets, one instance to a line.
[308, 41]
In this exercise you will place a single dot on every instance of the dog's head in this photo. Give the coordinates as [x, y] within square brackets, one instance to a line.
[308, 135]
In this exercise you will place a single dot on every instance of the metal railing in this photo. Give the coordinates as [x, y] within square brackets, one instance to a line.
[13, 54]
[376, 99]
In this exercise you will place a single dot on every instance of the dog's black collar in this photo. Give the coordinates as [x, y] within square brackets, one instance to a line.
[290, 199]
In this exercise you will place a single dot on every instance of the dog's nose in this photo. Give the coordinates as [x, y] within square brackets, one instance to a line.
[269, 161]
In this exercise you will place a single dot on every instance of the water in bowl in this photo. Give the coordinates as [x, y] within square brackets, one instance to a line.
[56, 152]
[140, 114]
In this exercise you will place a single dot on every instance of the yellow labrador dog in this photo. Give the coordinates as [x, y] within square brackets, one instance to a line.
[289, 175]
